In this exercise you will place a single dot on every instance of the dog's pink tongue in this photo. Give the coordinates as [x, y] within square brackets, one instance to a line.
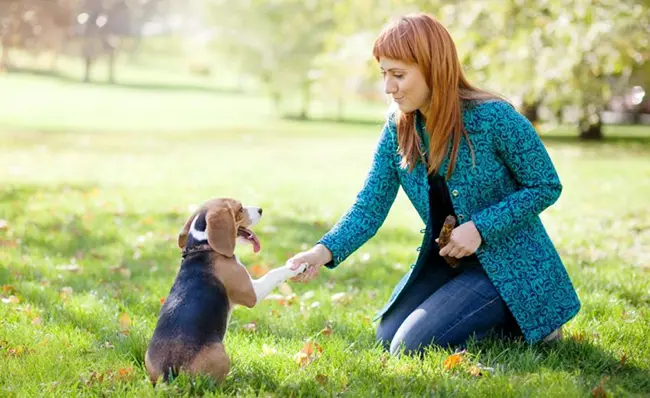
[256, 243]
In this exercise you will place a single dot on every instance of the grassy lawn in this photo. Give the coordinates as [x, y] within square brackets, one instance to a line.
[93, 192]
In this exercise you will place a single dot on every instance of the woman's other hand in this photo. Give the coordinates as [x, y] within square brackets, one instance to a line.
[465, 240]
[315, 258]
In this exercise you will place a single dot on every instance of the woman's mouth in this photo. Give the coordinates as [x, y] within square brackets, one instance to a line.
[398, 100]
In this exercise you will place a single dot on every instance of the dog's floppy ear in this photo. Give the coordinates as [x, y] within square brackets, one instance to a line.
[221, 230]
[182, 235]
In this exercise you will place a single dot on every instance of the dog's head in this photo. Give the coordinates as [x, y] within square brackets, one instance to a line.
[220, 222]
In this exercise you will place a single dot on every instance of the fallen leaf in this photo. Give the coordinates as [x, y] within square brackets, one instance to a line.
[268, 350]
[453, 360]
[308, 353]
[95, 377]
[474, 371]
[599, 391]
[162, 300]
[327, 331]
[338, 296]
[8, 289]
[285, 289]
[258, 271]
[122, 270]
[66, 292]
[69, 268]
[125, 323]
[11, 300]
[37, 321]
[124, 373]
[108, 345]
[250, 327]
[321, 379]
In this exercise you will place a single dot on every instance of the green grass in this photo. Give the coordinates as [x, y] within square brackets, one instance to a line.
[93, 193]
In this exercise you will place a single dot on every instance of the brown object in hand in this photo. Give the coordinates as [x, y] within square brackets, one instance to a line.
[445, 236]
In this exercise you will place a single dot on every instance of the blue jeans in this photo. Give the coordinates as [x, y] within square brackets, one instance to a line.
[445, 307]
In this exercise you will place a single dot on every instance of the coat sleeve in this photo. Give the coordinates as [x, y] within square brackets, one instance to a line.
[523, 153]
[372, 204]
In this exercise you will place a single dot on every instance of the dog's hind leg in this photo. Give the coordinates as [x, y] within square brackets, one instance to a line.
[212, 361]
[264, 285]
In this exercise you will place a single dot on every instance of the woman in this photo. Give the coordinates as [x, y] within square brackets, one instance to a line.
[456, 150]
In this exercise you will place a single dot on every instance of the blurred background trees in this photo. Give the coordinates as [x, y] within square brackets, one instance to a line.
[561, 61]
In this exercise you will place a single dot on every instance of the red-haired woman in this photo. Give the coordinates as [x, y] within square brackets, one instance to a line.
[456, 150]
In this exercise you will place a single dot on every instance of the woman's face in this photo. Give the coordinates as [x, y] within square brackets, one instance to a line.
[406, 85]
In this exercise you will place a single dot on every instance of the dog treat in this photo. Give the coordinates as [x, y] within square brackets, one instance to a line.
[445, 236]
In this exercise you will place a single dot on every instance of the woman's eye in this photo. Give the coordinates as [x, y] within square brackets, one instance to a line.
[398, 76]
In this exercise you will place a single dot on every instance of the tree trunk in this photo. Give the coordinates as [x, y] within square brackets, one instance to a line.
[88, 64]
[339, 109]
[111, 67]
[306, 99]
[590, 126]
[531, 111]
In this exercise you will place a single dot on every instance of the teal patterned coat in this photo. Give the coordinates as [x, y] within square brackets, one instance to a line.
[512, 182]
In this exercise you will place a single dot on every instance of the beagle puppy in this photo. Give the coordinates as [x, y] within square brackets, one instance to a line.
[193, 320]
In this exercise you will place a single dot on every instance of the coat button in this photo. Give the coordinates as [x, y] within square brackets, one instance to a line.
[461, 217]
[423, 231]
[418, 249]
[454, 193]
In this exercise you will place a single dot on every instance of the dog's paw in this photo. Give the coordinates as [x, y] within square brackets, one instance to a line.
[300, 269]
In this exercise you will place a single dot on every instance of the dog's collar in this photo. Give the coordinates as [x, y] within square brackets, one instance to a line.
[204, 247]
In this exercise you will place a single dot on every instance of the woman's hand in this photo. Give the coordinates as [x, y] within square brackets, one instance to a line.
[315, 258]
[465, 240]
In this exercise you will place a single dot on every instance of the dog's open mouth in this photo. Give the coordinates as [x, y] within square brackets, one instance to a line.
[249, 236]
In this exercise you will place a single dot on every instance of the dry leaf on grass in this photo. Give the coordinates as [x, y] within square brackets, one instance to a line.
[125, 323]
[250, 327]
[162, 300]
[66, 292]
[600, 391]
[327, 331]
[11, 300]
[73, 267]
[258, 270]
[454, 360]
[268, 350]
[8, 289]
[308, 353]
[285, 289]
[321, 379]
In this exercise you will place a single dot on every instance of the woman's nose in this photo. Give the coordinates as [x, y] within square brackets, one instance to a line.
[390, 87]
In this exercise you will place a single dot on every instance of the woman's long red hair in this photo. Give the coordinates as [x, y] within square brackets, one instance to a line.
[422, 40]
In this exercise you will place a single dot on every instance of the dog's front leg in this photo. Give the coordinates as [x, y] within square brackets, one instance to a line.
[265, 285]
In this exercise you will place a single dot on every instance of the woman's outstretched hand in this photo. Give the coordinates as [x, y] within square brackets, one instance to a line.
[465, 240]
[315, 258]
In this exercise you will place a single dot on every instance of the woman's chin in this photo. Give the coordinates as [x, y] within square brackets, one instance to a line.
[405, 108]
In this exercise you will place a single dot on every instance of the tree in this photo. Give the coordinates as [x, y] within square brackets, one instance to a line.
[555, 52]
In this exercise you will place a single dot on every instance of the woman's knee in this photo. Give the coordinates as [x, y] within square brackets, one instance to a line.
[414, 342]
[384, 335]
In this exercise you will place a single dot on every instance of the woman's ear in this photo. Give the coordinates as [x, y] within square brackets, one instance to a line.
[221, 230]
[182, 235]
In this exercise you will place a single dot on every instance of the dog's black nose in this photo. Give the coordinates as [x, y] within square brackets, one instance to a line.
[260, 211]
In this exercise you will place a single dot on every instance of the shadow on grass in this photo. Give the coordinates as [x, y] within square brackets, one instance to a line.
[350, 121]
[612, 139]
[593, 363]
[129, 85]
